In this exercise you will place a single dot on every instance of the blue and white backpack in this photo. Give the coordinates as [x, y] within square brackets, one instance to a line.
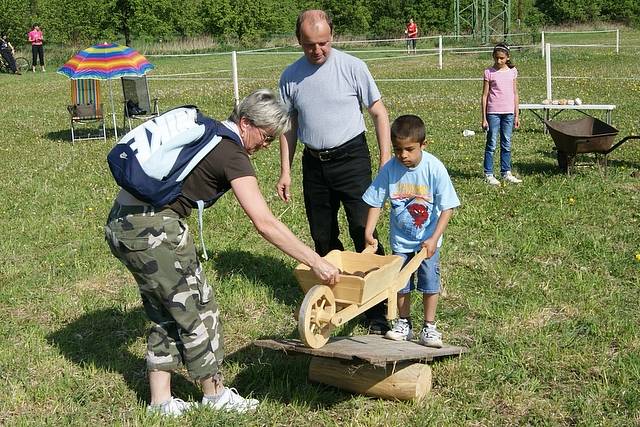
[152, 161]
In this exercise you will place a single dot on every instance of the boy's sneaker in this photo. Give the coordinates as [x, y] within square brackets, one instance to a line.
[510, 178]
[401, 331]
[491, 180]
[230, 401]
[173, 407]
[430, 336]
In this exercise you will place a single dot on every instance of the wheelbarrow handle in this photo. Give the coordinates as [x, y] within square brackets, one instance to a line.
[622, 142]
[370, 249]
[410, 267]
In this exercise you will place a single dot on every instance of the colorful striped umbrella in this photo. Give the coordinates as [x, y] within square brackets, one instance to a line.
[106, 61]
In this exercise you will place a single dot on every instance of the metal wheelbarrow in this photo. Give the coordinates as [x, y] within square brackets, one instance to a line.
[587, 135]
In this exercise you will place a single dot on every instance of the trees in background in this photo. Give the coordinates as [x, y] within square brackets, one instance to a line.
[73, 22]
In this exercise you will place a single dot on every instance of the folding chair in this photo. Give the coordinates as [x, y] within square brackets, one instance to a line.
[86, 109]
[137, 101]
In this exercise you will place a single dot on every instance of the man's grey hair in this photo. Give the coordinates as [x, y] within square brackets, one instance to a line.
[264, 109]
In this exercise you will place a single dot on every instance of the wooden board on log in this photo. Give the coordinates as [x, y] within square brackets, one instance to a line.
[373, 349]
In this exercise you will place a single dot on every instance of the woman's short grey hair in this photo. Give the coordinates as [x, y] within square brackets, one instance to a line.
[264, 109]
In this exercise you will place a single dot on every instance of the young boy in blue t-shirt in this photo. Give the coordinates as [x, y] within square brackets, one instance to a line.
[422, 199]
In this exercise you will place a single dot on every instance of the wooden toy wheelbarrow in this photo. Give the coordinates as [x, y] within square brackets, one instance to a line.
[366, 280]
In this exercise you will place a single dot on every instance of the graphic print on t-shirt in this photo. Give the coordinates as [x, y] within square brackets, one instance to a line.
[412, 205]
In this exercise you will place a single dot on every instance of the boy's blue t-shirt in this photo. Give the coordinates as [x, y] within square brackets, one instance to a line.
[417, 196]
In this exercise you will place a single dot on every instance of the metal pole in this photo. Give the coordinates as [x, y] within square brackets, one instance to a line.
[542, 43]
[234, 67]
[617, 40]
[113, 112]
[456, 19]
[440, 52]
[507, 21]
[486, 22]
[547, 48]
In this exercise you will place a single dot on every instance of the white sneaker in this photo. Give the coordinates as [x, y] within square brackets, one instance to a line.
[430, 336]
[491, 179]
[230, 401]
[510, 178]
[401, 331]
[173, 407]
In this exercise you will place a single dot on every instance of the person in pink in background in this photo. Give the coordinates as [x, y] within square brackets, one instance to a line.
[500, 112]
[37, 50]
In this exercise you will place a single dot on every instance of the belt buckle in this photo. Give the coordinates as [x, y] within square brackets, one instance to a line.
[324, 156]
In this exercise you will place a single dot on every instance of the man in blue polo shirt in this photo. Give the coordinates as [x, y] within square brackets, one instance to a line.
[325, 91]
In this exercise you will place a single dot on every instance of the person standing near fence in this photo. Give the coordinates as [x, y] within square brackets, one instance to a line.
[37, 49]
[412, 36]
[500, 112]
[325, 91]
[7, 51]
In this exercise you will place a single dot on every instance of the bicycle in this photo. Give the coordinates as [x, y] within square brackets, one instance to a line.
[22, 65]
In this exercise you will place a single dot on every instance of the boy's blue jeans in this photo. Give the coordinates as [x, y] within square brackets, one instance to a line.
[427, 275]
[498, 124]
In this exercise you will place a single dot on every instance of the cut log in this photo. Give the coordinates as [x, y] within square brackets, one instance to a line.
[395, 381]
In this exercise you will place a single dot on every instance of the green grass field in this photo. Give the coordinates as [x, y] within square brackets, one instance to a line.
[542, 279]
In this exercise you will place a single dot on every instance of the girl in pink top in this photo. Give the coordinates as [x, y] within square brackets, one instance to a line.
[500, 112]
[37, 51]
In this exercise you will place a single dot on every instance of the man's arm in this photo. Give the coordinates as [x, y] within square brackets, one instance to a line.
[287, 151]
[380, 119]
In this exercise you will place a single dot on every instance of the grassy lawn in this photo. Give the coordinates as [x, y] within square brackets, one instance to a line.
[542, 279]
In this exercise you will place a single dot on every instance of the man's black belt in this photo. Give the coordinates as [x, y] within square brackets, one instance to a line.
[336, 152]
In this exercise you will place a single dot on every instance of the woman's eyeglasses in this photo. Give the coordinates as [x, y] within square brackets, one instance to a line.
[266, 138]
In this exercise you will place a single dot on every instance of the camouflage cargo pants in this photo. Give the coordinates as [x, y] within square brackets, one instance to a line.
[158, 250]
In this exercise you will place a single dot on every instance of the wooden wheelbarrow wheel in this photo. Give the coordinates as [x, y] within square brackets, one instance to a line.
[316, 311]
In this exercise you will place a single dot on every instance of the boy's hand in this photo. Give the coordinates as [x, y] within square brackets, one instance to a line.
[430, 245]
[371, 241]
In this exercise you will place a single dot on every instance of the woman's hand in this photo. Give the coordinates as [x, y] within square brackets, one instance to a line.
[326, 272]
[485, 124]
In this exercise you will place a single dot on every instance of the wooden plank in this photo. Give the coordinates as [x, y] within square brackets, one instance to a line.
[373, 349]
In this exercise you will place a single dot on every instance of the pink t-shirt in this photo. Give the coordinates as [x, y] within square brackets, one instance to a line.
[502, 97]
[35, 37]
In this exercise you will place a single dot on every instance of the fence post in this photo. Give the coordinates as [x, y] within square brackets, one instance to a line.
[440, 52]
[234, 68]
[547, 48]
[617, 40]
[542, 43]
